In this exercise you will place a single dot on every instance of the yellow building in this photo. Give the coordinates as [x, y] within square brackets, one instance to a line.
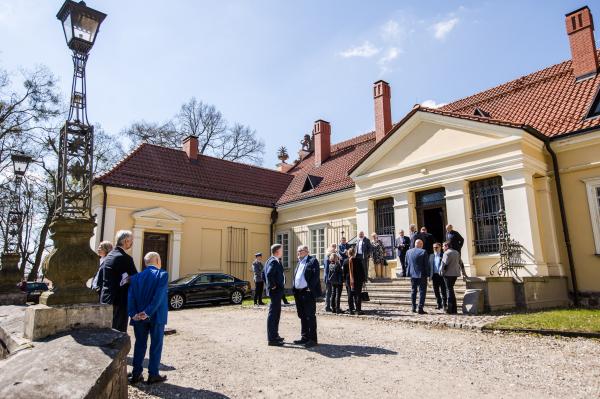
[526, 153]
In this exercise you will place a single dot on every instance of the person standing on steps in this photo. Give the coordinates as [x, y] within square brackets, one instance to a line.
[402, 244]
[259, 282]
[363, 252]
[378, 254]
[456, 240]
[275, 288]
[452, 268]
[439, 285]
[417, 261]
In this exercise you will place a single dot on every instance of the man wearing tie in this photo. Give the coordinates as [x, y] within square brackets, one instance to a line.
[402, 245]
[275, 288]
[307, 288]
[363, 251]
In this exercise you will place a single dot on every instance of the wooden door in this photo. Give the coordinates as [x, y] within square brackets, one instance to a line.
[159, 243]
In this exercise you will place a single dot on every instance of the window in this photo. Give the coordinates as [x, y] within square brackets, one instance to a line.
[284, 240]
[317, 243]
[593, 193]
[384, 224]
[221, 278]
[203, 279]
[311, 183]
[487, 200]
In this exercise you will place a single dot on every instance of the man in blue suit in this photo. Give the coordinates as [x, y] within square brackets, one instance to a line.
[417, 261]
[275, 288]
[147, 307]
[307, 288]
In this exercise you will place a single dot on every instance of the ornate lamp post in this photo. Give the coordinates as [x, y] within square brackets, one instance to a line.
[10, 275]
[72, 261]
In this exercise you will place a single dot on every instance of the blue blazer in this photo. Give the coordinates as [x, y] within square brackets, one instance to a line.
[274, 276]
[417, 261]
[312, 274]
[148, 293]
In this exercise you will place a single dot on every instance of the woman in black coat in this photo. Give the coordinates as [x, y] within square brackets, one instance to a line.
[354, 276]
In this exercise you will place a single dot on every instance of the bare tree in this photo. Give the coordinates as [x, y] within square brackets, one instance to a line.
[216, 138]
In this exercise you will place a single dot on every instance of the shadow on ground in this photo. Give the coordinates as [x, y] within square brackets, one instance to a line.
[339, 351]
[168, 391]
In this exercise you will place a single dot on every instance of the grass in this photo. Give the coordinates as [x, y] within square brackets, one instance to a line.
[266, 300]
[580, 320]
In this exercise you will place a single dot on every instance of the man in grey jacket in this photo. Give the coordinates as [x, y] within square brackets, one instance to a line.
[452, 268]
[259, 282]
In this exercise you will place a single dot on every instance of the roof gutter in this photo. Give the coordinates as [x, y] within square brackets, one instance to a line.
[561, 204]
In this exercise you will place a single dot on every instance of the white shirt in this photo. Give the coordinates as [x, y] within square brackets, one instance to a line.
[299, 279]
[359, 246]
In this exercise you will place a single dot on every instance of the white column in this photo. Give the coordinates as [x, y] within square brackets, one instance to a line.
[458, 213]
[549, 228]
[95, 240]
[364, 216]
[109, 223]
[522, 218]
[402, 211]
[174, 275]
[136, 249]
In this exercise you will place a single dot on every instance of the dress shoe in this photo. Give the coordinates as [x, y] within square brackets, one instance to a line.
[153, 379]
[275, 343]
[360, 312]
[328, 310]
[351, 312]
[414, 310]
[301, 341]
[261, 303]
[280, 339]
[439, 307]
[134, 379]
[421, 311]
[310, 344]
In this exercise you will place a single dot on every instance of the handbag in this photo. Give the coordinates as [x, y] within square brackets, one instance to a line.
[364, 296]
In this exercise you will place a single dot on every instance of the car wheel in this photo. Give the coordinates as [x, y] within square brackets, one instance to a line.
[176, 301]
[236, 297]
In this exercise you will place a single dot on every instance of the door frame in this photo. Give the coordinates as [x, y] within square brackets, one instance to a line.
[419, 208]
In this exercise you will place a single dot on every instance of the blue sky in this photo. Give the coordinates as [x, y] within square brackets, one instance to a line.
[279, 65]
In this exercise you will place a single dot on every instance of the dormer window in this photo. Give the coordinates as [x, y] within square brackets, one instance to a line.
[479, 112]
[595, 108]
[311, 183]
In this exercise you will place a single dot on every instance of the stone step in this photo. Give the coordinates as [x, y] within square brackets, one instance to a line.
[407, 289]
[400, 303]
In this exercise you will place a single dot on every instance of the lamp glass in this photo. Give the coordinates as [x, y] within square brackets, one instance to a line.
[20, 163]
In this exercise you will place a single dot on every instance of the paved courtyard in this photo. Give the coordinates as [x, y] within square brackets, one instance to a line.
[221, 352]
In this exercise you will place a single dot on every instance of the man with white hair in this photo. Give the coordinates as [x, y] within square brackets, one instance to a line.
[118, 269]
[307, 288]
[147, 307]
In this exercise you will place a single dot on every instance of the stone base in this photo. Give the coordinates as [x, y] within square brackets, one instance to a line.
[42, 321]
[13, 298]
[473, 303]
[58, 297]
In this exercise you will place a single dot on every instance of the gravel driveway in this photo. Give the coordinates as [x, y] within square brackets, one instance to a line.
[221, 352]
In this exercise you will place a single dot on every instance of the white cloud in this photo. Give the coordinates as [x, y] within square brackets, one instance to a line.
[432, 104]
[442, 28]
[365, 50]
[390, 30]
[390, 55]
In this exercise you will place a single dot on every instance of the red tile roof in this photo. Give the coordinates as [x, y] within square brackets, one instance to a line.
[169, 171]
[334, 170]
[550, 100]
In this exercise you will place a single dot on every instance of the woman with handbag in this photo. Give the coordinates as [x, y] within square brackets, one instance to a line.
[336, 279]
[378, 256]
[354, 275]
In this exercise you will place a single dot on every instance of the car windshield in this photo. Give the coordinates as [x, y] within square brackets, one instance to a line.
[184, 280]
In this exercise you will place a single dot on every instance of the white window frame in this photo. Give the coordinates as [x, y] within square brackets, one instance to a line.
[286, 264]
[315, 251]
[592, 186]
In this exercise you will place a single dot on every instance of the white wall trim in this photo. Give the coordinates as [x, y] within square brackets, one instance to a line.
[591, 185]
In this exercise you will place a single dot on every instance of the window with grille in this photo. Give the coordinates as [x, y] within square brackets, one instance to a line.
[593, 192]
[384, 216]
[487, 200]
[284, 240]
[317, 243]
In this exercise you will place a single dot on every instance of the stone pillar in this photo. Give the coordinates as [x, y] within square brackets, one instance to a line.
[10, 276]
[549, 228]
[458, 213]
[522, 218]
[403, 211]
[174, 275]
[137, 247]
[364, 216]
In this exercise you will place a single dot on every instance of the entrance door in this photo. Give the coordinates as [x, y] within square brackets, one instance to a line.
[431, 212]
[159, 243]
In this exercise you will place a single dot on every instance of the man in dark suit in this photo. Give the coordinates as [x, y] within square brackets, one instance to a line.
[275, 288]
[363, 252]
[417, 260]
[402, 244]
[427, 239]
[118, 269]
[456, 240]
[307, 288]
[435, 268]
[147, 307]
[412, 235]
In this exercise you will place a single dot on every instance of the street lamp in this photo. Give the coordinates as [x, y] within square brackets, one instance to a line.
[72, 261]
[20, 163]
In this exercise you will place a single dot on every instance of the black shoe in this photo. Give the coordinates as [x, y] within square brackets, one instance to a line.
[421, 311]
[153, 379]
[310, 344]
[301, 341]
[414, 310]
[328, 310]
[280, 339]
[439, 307]
[360, 312]
[261, 303]
[275, 343]
[351, 312]
[134, 379]
[286, 302]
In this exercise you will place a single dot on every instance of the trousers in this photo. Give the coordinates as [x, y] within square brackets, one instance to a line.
[306, 306]
[141, 330]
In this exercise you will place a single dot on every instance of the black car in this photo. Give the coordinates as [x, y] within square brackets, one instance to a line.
[207, 288]
[34, 290]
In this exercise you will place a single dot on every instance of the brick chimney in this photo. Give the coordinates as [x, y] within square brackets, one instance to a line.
[190, 146]
[580, 28]
[383, 109]
[322, 134]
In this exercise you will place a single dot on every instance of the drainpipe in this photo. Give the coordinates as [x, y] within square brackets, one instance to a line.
[563, 218]
[104, 195]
